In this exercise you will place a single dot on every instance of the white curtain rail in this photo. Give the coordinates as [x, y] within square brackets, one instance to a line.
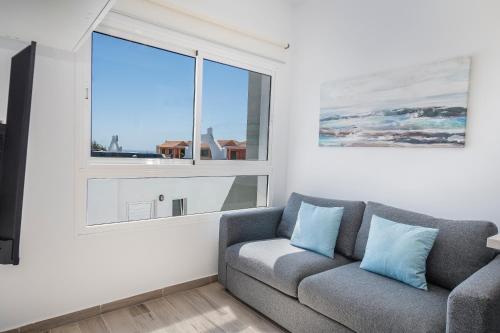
[210, 20]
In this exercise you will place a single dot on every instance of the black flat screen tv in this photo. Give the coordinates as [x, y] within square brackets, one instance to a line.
[14, 150]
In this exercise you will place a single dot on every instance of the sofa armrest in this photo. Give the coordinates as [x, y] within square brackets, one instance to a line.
[474, 305]
[242, 226]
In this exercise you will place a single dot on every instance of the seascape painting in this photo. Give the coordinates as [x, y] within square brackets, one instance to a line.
[423, 106]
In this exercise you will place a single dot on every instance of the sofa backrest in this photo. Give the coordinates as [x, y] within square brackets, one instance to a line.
[459, 250]
[349, 226]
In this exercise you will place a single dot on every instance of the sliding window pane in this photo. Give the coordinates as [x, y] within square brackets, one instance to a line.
[235, 113]
[131, 199]
[142, 100]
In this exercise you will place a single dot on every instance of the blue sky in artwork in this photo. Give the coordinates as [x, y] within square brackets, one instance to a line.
[145, 95]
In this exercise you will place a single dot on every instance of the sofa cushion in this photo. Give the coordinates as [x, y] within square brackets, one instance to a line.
[317, 228]
[368, 302]
[279, 264]
[398, 251]
[351, 220]
[459, 250]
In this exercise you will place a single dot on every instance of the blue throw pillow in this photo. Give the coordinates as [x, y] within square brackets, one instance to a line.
[317, 228]
[398, 251]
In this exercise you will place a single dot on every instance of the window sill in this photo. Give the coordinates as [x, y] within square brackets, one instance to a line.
[85, 230]
[148, 224]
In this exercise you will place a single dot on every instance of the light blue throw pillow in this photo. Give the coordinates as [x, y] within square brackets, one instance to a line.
[398, 251]
[317, 228]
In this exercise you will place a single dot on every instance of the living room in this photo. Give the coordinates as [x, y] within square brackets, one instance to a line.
[173, 157]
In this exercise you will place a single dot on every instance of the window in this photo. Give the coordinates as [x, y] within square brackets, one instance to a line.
[172, 131]
[235, 111]
[142, 100]
[179, 207]
[143, 104]
[131, 199]
[205, 153]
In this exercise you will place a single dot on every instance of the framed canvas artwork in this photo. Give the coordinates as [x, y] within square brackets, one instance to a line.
[421, 106]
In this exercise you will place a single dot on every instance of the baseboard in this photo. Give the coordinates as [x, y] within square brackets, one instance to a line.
[103, 308]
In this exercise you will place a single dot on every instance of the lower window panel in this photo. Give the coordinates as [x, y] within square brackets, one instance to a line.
[114, 200]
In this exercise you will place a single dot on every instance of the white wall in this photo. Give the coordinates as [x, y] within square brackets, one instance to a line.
[336, 39]
[48, 17]
[61, 272]
[7, 47]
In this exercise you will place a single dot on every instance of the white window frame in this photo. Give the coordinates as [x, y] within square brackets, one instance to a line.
[88, 167]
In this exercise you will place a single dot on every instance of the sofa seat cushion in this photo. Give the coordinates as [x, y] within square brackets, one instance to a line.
[368, 302]
[279, 264]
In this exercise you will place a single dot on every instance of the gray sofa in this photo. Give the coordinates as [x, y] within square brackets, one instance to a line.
[306, 292]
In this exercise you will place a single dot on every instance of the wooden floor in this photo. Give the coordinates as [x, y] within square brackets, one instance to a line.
[207, 309]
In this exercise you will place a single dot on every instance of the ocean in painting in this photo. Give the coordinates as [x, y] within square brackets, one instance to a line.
[424, 106]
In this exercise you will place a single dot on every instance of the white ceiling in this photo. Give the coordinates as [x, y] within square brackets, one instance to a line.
[55, 23]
